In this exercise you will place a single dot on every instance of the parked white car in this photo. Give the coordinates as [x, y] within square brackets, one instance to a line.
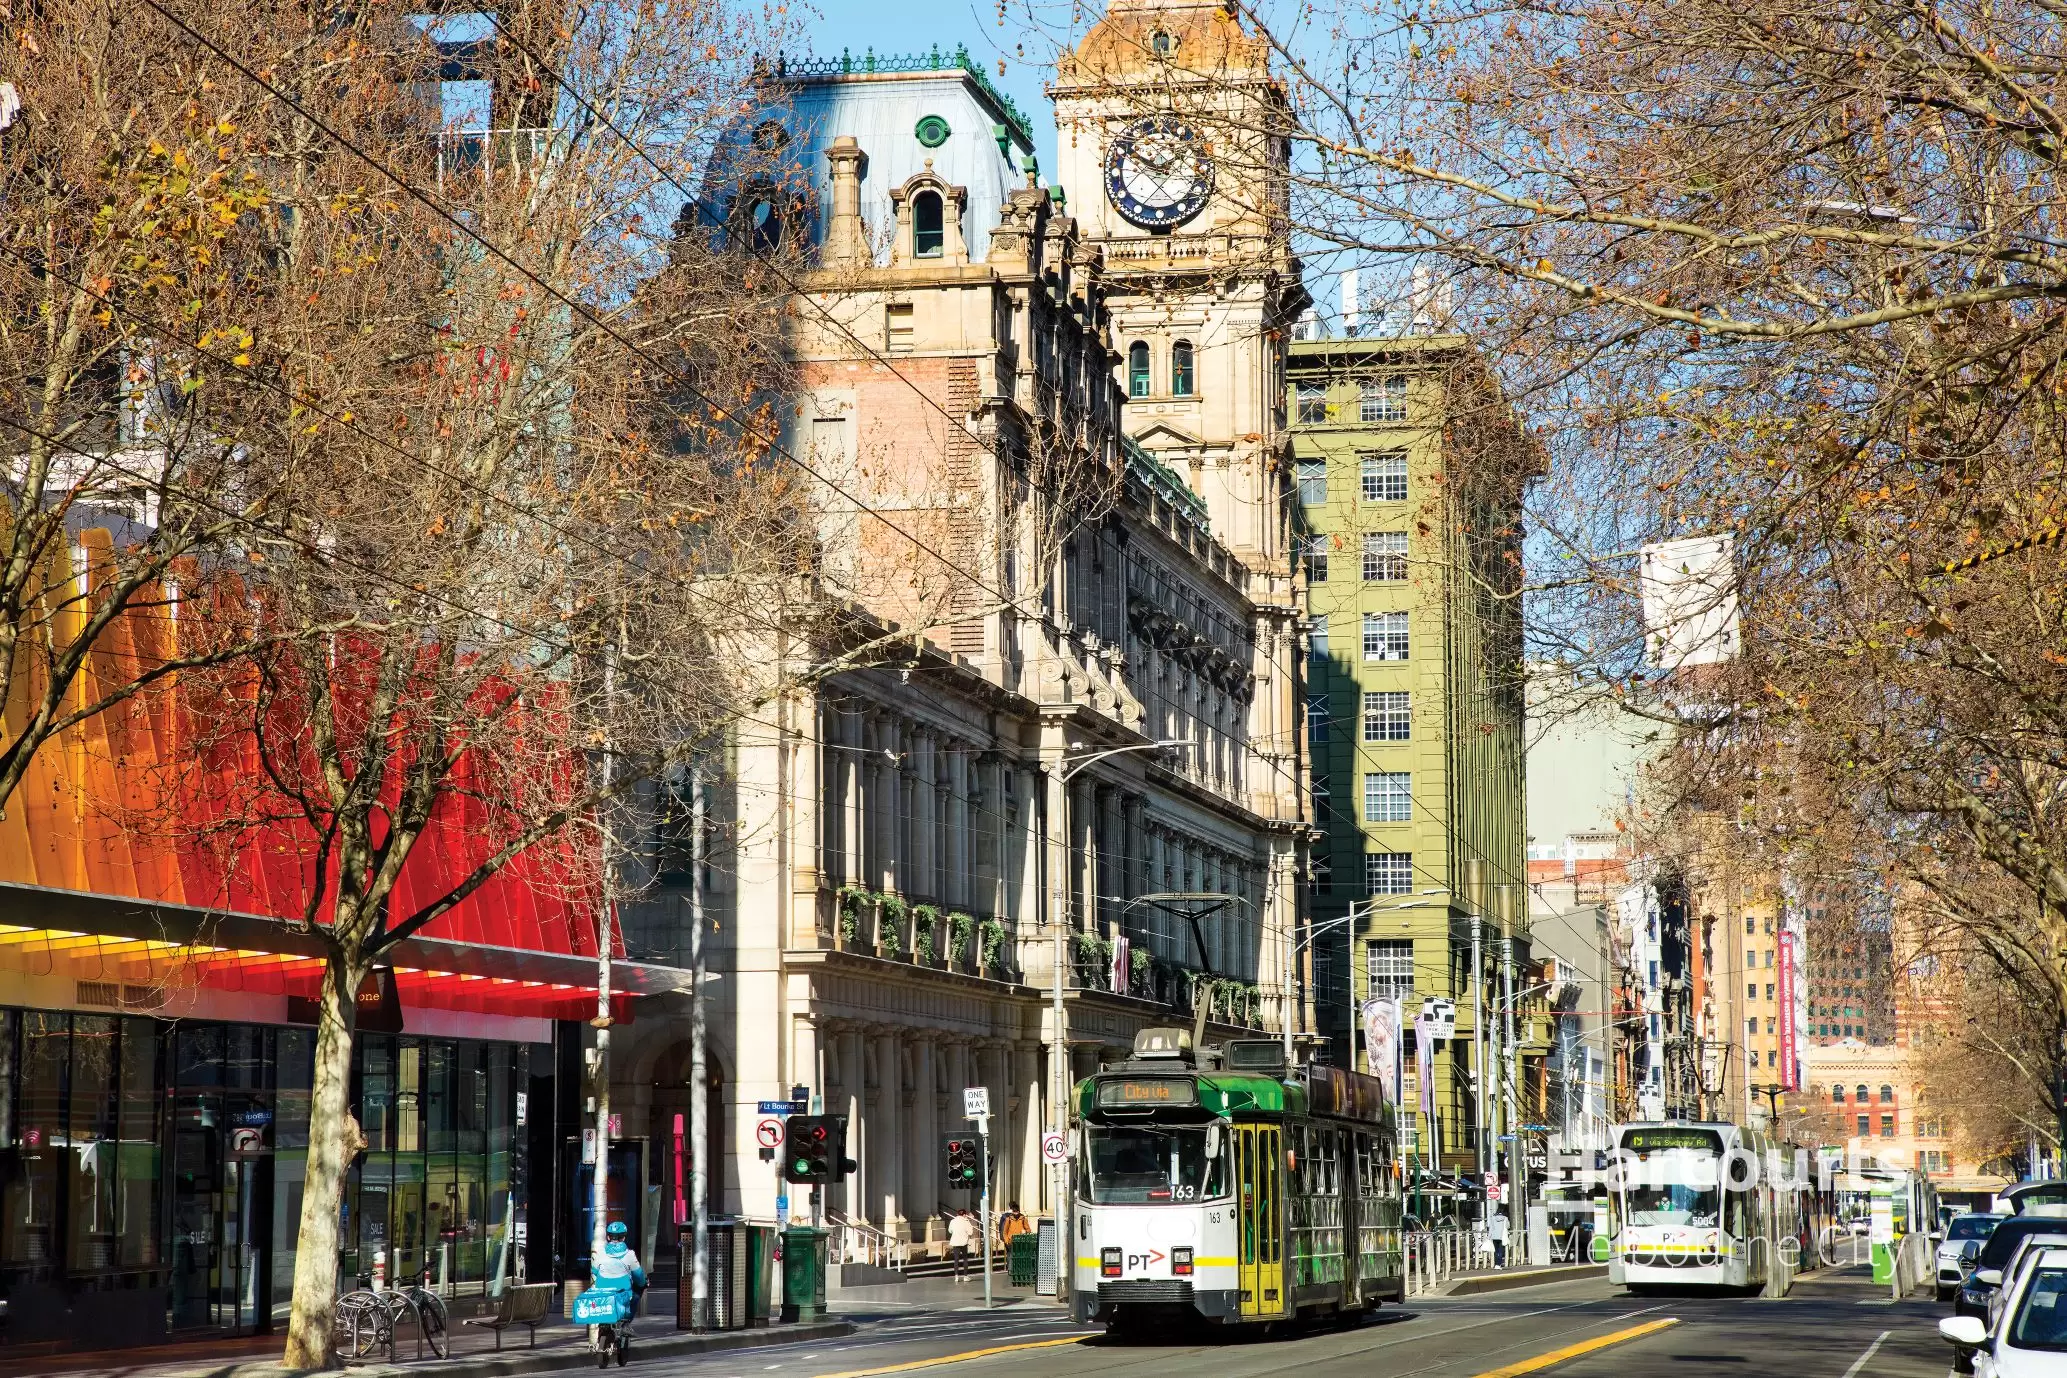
[1964, 1235]
[2029, 1336]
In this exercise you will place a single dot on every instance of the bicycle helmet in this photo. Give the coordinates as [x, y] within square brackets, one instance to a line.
[616, 1230]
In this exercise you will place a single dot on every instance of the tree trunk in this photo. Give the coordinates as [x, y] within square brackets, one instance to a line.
[333, 1141]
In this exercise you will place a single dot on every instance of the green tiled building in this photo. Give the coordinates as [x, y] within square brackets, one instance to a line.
[1409, 470]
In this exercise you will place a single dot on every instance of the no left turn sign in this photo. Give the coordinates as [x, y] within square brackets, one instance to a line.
[768, 1133]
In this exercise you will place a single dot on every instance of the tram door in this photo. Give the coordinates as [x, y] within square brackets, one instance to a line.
[1260, 1162]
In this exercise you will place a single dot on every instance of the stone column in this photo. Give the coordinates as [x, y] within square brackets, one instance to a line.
[922, 1153]
[889, 808]
[853, 776]
[853, 1196]
[1084, 854]
[919, 862]
[886, 1188]
[1032, 1120]
[1111, 859]
[959, 853]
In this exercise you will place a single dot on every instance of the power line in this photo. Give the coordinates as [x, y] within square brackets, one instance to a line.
[250, 377]
[773, 443]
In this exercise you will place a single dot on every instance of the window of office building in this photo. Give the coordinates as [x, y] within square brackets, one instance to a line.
[1385, 556]
[1316, 549]
[1388, 797]
[1389, 968]
[1317, 718]
[1317, 638]
[1887, 1126]
[1137, 369]
[1313, 481]
[1382, 477]
[1389, 873]
[1385, 636]
[1382, 399]
[1313, 403]
[1387, 717]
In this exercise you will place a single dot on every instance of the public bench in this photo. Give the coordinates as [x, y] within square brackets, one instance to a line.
[524, 1305]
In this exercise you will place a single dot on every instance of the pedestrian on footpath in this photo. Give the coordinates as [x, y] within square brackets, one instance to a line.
[961, 1237]
[1496, 1234]
[1012, 1224]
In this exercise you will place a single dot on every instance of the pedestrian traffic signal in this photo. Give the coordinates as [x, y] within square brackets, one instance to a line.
[964, 1162]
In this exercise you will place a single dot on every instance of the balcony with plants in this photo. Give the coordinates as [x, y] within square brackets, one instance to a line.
[881, 923]
[1148, 977]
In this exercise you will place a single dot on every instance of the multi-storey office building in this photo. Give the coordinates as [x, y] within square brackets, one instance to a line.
[1088, 748]
[1408, 481]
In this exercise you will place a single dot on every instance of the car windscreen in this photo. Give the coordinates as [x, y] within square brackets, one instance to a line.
[2008, 1235]
[1972, 1227]
[2042, 1316]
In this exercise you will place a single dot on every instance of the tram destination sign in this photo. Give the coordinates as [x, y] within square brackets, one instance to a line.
[1147, 1093]
[1660, 1140]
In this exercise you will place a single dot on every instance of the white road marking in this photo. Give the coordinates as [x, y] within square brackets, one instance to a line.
[1859, 1364]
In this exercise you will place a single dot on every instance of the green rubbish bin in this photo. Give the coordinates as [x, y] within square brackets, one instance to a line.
[803, 1273]
[1023, 1258]
[760, 1272]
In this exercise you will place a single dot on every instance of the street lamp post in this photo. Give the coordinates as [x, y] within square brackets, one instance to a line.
[1059, 770]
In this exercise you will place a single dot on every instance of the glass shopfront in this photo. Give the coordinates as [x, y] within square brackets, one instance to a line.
[151, 1170]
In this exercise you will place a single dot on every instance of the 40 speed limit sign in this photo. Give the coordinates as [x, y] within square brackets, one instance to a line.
[1054, 1148]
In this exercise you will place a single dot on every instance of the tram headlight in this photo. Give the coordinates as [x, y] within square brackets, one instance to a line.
[1109, 1263]
[1180, 1262]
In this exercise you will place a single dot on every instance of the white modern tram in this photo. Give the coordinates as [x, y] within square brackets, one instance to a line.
[1701, 1205]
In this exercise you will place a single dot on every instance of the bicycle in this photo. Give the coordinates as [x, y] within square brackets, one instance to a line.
[365, 1320]
[430, 1316]
[364, 1324]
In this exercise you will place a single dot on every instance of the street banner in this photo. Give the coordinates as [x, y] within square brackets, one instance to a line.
[1790, 1046]
[1424, 1064]
[1121, 961]
[1382, 1044]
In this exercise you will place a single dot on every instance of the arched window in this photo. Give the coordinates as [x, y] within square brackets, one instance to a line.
[1861, 1093]
[1181, 369]
[1887, 1095]
[1137, 369]
[766, 225]
[1837, 1095]
[928, 226]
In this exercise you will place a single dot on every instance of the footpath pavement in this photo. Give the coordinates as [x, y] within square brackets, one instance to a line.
[561, 1344]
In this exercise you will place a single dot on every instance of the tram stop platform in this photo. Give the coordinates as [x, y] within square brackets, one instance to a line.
[1502, 1279]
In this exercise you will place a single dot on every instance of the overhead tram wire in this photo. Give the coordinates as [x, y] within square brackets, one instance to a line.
[163, 331]
[708, 214]
[408, 188]
[327, 557]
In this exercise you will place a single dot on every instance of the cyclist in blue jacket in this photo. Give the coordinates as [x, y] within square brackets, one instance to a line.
[616, 1268]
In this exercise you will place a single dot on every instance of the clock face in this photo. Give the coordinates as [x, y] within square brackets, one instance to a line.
[1157, 173]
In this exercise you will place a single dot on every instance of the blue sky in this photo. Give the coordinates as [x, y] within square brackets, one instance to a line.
[914, 26]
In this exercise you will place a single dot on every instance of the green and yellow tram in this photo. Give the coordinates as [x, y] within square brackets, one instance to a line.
[1226, 1187]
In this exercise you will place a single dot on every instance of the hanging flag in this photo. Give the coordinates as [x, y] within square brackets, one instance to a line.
[1120, 963]
[1382, 1044]
[1424, 1064]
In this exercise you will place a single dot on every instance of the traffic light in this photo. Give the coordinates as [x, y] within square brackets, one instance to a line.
[964, 1162]
[814, 1148]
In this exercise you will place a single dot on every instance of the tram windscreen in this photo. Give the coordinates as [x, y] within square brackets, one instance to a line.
[1672, 1203]
[1151, 1165]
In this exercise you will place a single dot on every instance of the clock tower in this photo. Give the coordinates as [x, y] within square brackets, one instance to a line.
[1174, 138]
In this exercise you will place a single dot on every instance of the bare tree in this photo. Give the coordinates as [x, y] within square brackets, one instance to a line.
[120, 476]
